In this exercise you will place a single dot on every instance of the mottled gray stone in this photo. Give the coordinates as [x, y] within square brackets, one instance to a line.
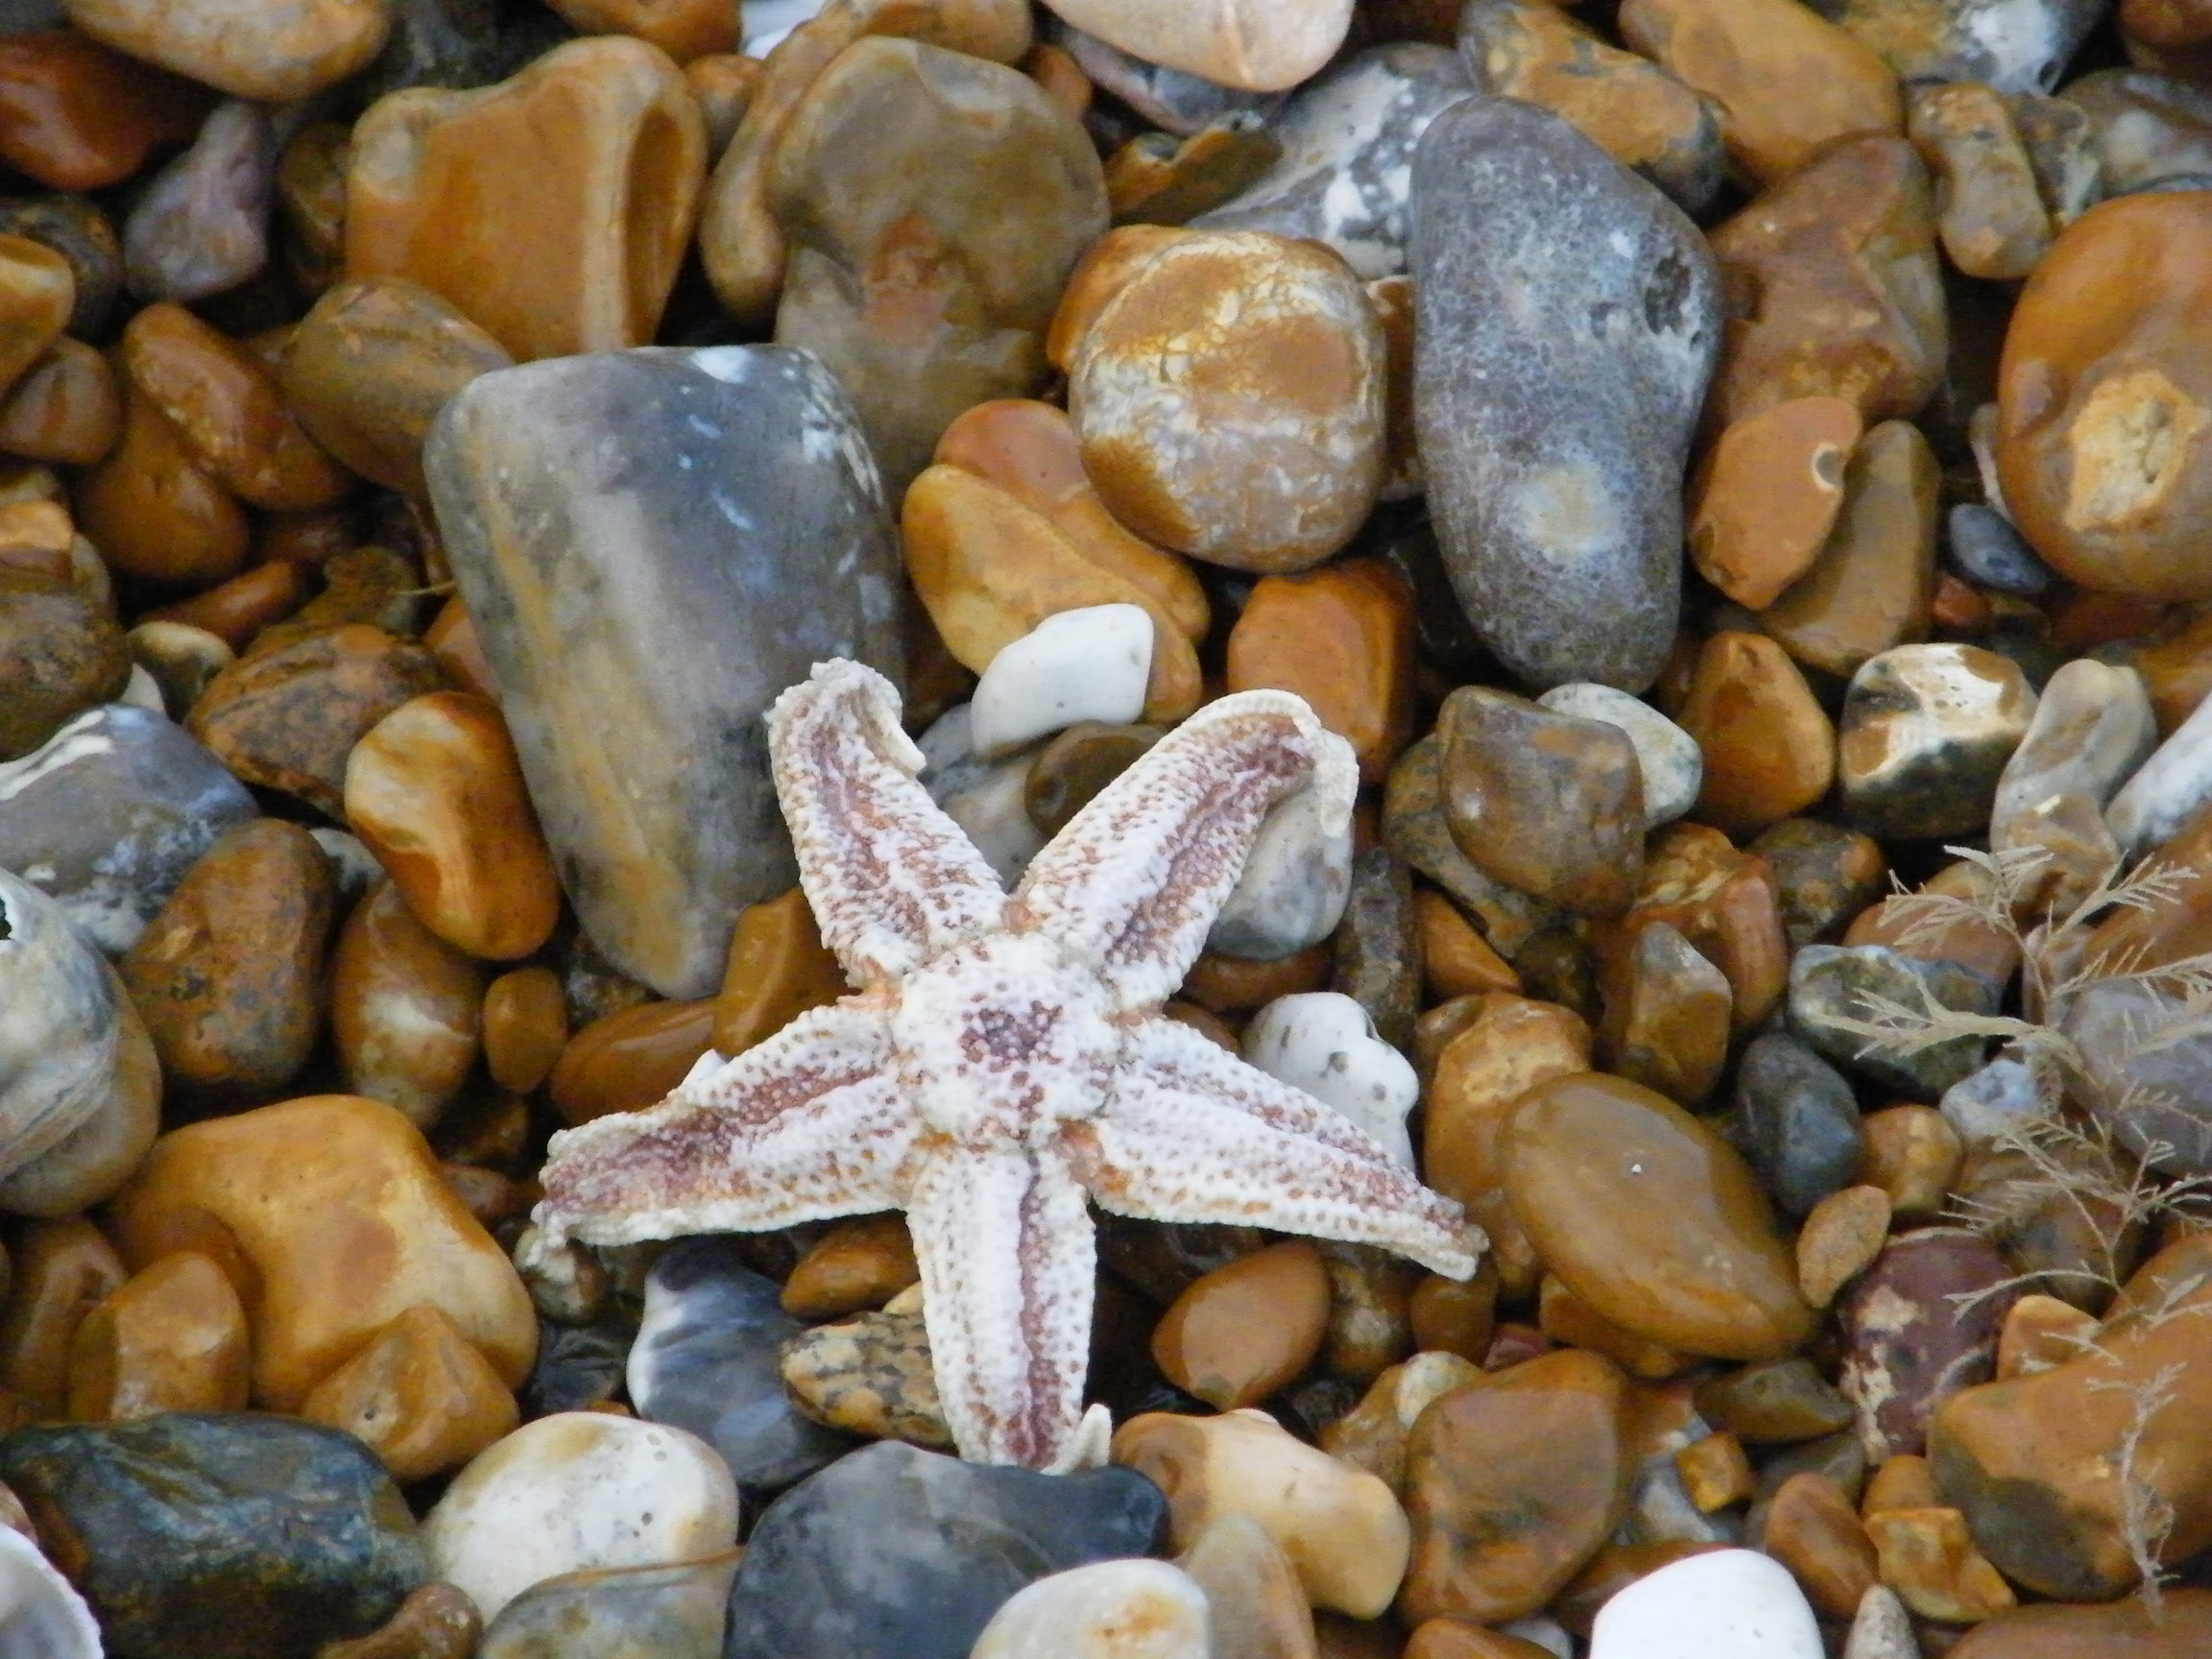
[2148, 1048]
[107, 814]
[2013, 46]
[1830, 985]
[203, 226]
[2002, 1098]
[452, 44]
[1174, 100]
[1569, 318]
[2092, 728]
[893, 1552]
[2149, 129]
[1379, 945]
[654, 544]
[1348, 137]
[672, 1612]
[1796, 1124]
[706, 1360]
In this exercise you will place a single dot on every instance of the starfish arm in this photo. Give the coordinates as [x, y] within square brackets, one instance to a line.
[807, 1125]
[1004, 1244]
[1164, 1152]
[1136, 878]
[891, 879]
[1169, 1060]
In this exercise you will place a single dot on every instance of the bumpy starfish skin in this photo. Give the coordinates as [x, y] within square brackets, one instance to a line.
[1005, 1055]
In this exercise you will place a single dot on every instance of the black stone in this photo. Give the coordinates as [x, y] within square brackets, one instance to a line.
[1797, 1122]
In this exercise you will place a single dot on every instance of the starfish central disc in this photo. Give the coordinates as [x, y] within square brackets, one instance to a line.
[999, 1044]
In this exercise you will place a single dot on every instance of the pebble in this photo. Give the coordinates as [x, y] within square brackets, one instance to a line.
[1090, 663]
[1782, 1403]
[109, 813]
[2098, 499]
[1325, 1044]
[1813, 1529]
[1669, 757]
[228, 976]
[1726, 1604]
[1796, 1122]
[1254, 1606]
[2014, 48]
[271, 52]
[62, 1269]
[857, 1265]
[182, 659]
[778, 969]
[1513, 1481]
[63, 653]
[79, 1085]
[1986, 550]
[551, 209]
[420, 1395]
[1930, 1560]
[577, 1490]
[405, 1009]
[1990, 211]
[171, 1338]
[46, 1615]
[1240, 1333]
[1842, 253]
[1882, 1629]
[1295, 884]
[1109, 1610]
[1218, 40]
[1920, 1325]
[336, 1208]
[1265, 473]
[2151, 133]
[200, 228]
[857, 1562]
[67, 407]
[1666, 1022]
[630, 1059]
[1347, 139]
[1926, 733]
[1630, 1201]
[1555, 491]
[1826, 875]
[2154, 801]
[664, 825]
[1769, 748]
[1764, 500]
[1415, 829]
[2181, 1624]
[672, 1612]
[870, 1375]
[221, 1535]
[1914, 1154]
[1548, 802]
[1829, 988]
[524, 1025]
[1342, 638]
[1841, 1236]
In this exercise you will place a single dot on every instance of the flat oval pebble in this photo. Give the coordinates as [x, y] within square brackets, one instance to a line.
[1731, 1605]
[1089, 664]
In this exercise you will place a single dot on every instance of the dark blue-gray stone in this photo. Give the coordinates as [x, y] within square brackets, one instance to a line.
[220, 1534]
[1988, 552]
[1797, 1122]
[1568, 318]
[893, 1553]
[652, 545]
[706, 1360]
[1832, 985]
[107, 814]
[578, 1366]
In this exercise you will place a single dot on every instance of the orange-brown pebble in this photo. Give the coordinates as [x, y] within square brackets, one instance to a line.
[1573, 1323]
[1716, 1471]
[1666, 1013]
[1342, 638]
[454, 641]
[631, 1059]
[436, 791]
[420, 1395]
[405, 1008]
[66, 407]
[1958, 610]
[1458, 1638]
[724, 83]
[237, 610]
[1455, 1316]
[857, 1265]
[1770, 748]
[1766, 497]
[1232, 984]
[684, 29]
[1839, 1240]
[525, 1027]
[1725, 903]
[77, 116]
[154, 511]
[63, 1270]
[1904, 1481]
[1929, 1558]
[1099, 276]
[2040, 1332]
[1238, 1333]
[1969, 940]
[1813, 1529]
[1913, 1154]
[778, 969]
[1456, 959]
[37, 291]
[1054, 69]
[172, 1338]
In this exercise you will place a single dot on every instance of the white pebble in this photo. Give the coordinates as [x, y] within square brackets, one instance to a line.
[1293, 891]
[578, 1490]
[1674, 765]
[1109, 1610]
[42, 1615]
[1882, 1629]
[1087, 664]
[1728, 1604]
[1547, 1634]
[1324, 1042]
[2170, 786]
[142, 691]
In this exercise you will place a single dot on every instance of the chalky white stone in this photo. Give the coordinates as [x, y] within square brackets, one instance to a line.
[42, 1615]
[1259, 45]
[1882, 1629]
[1086, 664]
[1109, 1610]
[2092, 729]
[2166, 789]
[578, 1490]
[1294, 884]
[1674, 765]
[1727, 1604]
[1323, 1043]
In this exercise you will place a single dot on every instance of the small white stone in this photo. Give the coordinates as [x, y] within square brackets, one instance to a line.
[2168, 787]
[2002, 1098]
[42, 1615]
[1547, 1634]
[578, 1490]
[1110, 1610]
[1674, 765]
[1087, 664]
[142, 691]
[1324, 1042]
[352, 865]
[1294, 884]
[1727, 1604]
[1882, 1629]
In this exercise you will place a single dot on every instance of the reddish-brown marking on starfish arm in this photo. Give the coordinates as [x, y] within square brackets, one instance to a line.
[1007, 1258]
[891, 879]
[1161, 1154]
[1136, 878]
[805, 1126]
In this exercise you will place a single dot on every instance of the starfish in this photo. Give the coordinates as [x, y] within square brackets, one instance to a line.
[1005, 1055]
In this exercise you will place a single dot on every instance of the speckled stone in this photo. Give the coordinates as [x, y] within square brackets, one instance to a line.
[1348, 137]
[663, 823]
[1568, 316]
[858, 1561]
[1921, 1325]
[220, 1535]
[1829, 984]
[1926, 733]
[1796, 1122]
[108, 815]
[2013, 46]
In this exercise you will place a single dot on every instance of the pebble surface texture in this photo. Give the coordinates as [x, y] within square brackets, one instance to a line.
[1567, 321]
